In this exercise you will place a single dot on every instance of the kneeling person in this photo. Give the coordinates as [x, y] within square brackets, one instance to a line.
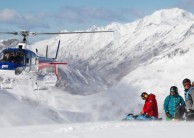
[149, 111]
[150, 108]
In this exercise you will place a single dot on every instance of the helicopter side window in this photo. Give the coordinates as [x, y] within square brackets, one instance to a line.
[11, 57]
[33, 62]
[1, 56]
[33, 59]
[4, 56]
[19, 57]
[7, 56]
[28, 62]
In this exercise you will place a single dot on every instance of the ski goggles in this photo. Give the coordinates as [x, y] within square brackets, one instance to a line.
[172, 91]
[145, 96]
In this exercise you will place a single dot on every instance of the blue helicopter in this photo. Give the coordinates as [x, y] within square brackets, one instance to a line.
[20, 63]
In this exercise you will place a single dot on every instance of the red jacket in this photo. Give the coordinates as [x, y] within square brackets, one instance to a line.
[150, 106]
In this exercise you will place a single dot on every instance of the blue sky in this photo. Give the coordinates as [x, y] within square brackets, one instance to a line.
[57, 15]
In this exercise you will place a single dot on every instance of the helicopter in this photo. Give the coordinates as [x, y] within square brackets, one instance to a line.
[20, 63]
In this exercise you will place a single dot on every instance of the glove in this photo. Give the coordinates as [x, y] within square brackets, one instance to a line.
[189, 113]
[169, 115]
[192, 111]
[145, 114]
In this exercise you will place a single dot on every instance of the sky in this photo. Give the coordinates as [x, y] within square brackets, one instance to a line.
[50, 15]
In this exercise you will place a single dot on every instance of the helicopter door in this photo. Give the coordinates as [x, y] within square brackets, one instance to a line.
[33, 62]
[28, 62]
[19, 59]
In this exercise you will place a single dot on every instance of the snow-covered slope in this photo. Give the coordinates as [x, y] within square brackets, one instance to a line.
[23, 106]
[107, 72]
[103, 130]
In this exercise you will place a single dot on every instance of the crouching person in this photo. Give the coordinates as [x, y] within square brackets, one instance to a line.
[174, 105]
[149, 111]
[150, 108]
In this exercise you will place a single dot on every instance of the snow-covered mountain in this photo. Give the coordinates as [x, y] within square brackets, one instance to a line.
[8, 43]
[107, 72]
[99, 61]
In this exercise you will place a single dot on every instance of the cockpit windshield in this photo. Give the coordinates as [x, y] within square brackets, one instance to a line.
[12, 56]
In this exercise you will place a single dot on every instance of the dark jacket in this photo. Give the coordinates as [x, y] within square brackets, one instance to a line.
[150, 106]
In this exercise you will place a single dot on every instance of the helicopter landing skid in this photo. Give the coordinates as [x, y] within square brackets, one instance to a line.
[40, 82]
[43, 82]
[7, 83]
[37, 87]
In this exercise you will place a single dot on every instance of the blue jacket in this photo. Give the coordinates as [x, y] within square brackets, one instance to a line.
[172, 102]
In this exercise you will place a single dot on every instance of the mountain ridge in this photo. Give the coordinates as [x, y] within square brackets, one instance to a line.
[114, 55]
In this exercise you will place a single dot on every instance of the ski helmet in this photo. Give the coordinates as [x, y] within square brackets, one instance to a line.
[144, 95]
[174, 89]
[186, 81]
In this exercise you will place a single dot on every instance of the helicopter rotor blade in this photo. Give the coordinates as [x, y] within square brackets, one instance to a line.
[27, 33]
[35, 33]
[14, 33]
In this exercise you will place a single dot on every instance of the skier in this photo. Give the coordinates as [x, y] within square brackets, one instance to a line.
[189, 97]
[150, 108]
[149, 111]
[174, 105]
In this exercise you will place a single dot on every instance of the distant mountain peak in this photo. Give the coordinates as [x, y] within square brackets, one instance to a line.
[171, 16]
[173, 13]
